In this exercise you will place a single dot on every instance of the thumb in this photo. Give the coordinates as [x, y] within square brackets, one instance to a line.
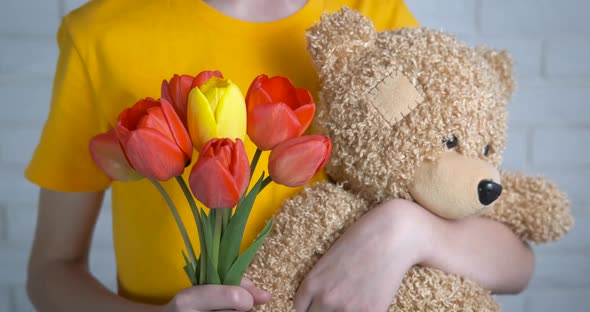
[260, 296]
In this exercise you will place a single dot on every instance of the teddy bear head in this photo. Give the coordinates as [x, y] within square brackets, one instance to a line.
[412, 113]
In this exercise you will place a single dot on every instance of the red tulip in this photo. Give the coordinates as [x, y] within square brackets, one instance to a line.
[294, 162]
[176, 91]
[108, 156]
[277, 111]
[221, 174]
[153, 139]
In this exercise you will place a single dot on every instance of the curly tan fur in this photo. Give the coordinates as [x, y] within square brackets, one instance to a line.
[534, 208]
[465, 92]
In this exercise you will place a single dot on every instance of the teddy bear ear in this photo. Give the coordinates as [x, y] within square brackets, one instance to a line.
[501, 62]
[338, 38]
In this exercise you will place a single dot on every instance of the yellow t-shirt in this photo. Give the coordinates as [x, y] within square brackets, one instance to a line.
[114, 52]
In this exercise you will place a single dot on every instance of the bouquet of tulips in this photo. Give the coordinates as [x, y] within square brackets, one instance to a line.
[154, 139]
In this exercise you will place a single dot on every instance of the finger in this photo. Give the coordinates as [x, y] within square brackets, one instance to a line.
[218, 297]
[260, 296]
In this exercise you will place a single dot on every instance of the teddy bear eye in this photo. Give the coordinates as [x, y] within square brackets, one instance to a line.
[487, 150]
[451, 141]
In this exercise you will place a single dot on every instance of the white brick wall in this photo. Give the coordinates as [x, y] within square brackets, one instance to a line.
[549, 127]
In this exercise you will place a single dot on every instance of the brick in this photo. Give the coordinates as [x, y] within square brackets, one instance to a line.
[21, 299]
[32, 99]
[526, 53]
[533, 17]
[567, 56]
[560, 147]
[558, 300]
[515, 155]
[561, 271]
[28, 56]
[542, 104]
[70, 5]
[17, 146]
[456, 16]
[31, 17]
[5, 299]
[511, 303]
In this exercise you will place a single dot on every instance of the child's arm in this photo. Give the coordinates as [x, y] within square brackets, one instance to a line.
[368, 262]
[59, 280]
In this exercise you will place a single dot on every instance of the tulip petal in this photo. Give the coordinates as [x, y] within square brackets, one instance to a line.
[130, 117]
[165, 91]
[253, 97]
[257, 97]
[201, 121]
[155, 119]
[178, 130]
[271, 124]
[108, 156]
[305, 116]
[176, 93]
[213, 185]
[154, 155]
[304, 97]
[294, 162]
[204, 76]
[281, 89]
[240, 167]
[214, 90]
[231, 114]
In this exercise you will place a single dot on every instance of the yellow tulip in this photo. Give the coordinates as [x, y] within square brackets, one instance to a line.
[216, 110]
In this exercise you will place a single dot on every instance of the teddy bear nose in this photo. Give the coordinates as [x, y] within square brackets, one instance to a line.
[488, 191]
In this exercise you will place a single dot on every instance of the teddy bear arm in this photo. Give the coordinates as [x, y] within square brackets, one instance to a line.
[533, 207]
[305, 227]
[426, 289]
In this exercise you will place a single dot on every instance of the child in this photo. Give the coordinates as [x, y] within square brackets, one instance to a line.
[112, 53]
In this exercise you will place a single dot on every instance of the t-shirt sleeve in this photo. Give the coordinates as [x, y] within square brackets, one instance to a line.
[62, 160]
[389, 14]
[385, 14]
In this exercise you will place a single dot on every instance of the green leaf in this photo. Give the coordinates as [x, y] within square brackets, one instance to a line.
[197, 271]
[212, 276]
[236, 272]
[189, 269]
[232, 235]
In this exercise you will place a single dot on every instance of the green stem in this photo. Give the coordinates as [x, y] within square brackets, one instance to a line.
[181, 228]
[203, 268]
[197, 216]
[216, 236]
[226, 216]
[255, 161]
[265, 182]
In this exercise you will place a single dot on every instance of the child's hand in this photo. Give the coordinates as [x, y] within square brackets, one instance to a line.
[364, 268]
[218, 298]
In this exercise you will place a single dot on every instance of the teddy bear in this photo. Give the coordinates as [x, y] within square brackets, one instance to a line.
[413, 114]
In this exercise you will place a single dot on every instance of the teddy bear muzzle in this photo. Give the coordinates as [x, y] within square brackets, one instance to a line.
[455, 186]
